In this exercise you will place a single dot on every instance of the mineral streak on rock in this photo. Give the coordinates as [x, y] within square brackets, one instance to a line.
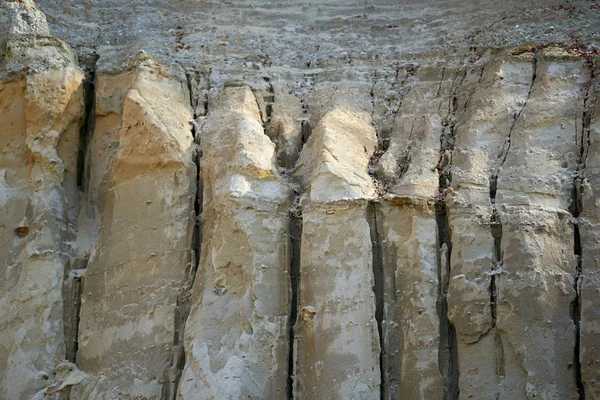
[208, 200]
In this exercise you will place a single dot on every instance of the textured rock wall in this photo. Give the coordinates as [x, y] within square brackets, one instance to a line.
[406, 227]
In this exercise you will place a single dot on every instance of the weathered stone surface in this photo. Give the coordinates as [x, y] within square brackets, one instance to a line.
[285, 125]
[478, 154]
[384, 200]
[589, 228]
[534, 288]
[237, 334]
[335, 338]
[40, 114]
[141, 194]
[536, 282]
[411, 332]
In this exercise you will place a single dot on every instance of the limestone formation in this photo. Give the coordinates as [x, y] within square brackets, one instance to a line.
[259, 200]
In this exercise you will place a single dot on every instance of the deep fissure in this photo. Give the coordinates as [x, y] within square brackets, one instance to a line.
[496, 268]
[575, 210]
[295, 247]
[378, 286]
[73, 291]
[88, 64]
[74, 277]
[183, 306]
[448, 348]
[496, 232]
[295, 243]
[448, 352]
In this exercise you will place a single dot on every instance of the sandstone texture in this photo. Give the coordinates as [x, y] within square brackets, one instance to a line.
[335, 200]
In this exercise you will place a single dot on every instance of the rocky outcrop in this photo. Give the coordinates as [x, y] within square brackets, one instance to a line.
[586, 240]
[41, 110]
[140, 164]
[244, 223]
[336, 340]
[237, 336]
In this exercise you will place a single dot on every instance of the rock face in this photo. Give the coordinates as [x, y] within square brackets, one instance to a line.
[237, 333]
[140, 163]
[336, 338]
[41, 110]
[195, 217]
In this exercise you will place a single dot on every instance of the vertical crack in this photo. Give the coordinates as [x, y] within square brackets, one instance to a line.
[88, 64]
[383, 135]
[496, 231]
[378, 286]
[72, 292]
[383, 142]
[74, 277]
[506, 147]
[448, 352]
[497, 261]
[198, 92]
[295, 245]
[575, 209]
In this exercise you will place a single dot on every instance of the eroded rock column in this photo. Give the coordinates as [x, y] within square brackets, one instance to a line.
[410, 243]
[236, 336]
[41, 108]
[336, 339]
[138, 222]
[476, 260]
[420, 359]
[536, 282]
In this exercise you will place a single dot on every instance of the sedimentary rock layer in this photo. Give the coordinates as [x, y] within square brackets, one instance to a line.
[422, 227]
[336, 338]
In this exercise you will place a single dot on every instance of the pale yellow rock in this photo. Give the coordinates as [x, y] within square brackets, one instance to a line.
[535, 291]
[536, 283]
[543, 152]
[336, 342]
[141, 194]
[236, 337]
[481, 138]
[417, 358]
[334, 162]
[41, 108]
[482, 133]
